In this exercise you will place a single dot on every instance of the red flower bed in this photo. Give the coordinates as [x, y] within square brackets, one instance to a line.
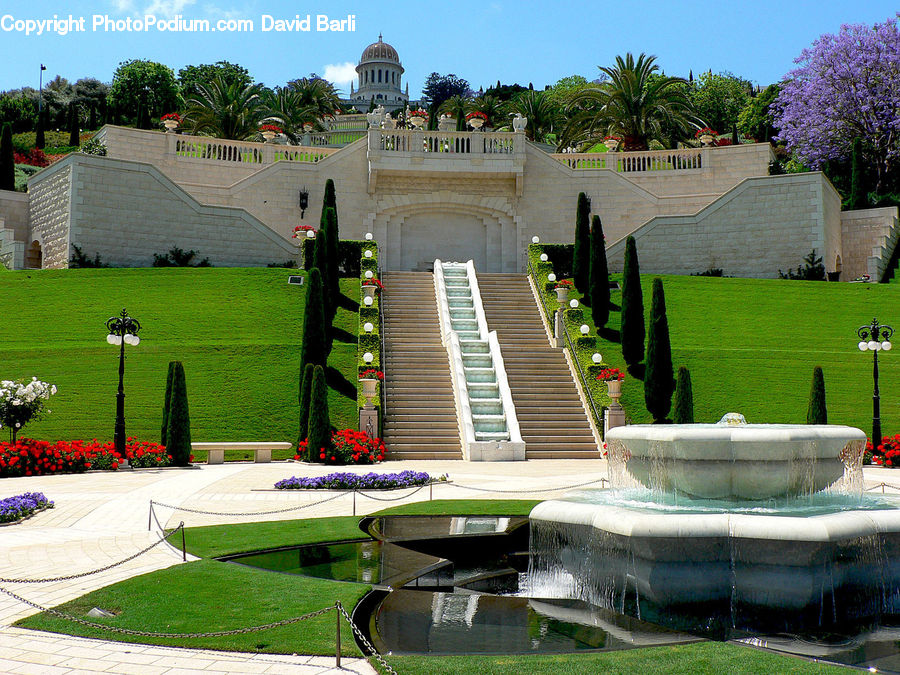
[36, 157]
[28, 457]
[347, 447]
[887, 453]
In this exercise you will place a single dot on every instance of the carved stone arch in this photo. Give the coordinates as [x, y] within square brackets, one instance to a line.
[34, 255]
[449, 227]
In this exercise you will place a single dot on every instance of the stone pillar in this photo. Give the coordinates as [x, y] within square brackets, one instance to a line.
[558, 330]
[614, 417]
[368, 420]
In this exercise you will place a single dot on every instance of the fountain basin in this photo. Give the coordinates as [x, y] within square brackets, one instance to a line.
[742, 461]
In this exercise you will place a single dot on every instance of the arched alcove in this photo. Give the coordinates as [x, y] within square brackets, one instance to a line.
[34, 256]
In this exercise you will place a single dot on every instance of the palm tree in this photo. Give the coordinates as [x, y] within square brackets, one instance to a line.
[458, 107]
[287, 107]
[543, 116]
[491, 106]
[635, 103]
[226, 110]
[317, 94]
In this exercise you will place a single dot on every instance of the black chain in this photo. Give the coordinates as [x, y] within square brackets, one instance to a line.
[391, 499]
[255, 513]
[69, 577]
[529, 491]
[362, 638]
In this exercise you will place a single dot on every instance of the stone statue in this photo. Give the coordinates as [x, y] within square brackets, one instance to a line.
[519, 123]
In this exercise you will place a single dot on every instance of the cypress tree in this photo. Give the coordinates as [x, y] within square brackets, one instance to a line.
[858, 199]
[817, 413]
[632, 326]
[39, 140]
[178, 433]
[735, 139]
[599, 275]
[166, 403]
[319, 426]
[330, 200]
[92, 120]
[659, 382]
[320, 262]
[305, 392]
[313, 348]
[331, 251]
[581, 261]
[7, 159]
[683, 407]
[73, 125]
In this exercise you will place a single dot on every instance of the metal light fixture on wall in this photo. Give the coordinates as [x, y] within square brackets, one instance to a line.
[304, 201]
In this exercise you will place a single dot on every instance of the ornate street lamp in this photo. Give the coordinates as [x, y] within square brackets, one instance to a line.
[122, 330]
[875, 338]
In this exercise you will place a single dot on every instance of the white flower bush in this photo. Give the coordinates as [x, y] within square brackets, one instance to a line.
[22, 401]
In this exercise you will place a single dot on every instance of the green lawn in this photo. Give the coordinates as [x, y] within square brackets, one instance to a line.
[751, 346]
[236, 330]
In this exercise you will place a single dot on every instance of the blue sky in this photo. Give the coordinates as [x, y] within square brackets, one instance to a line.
[522, 41]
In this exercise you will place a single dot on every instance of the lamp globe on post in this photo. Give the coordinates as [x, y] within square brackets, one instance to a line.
[875, 338]
[122, 330]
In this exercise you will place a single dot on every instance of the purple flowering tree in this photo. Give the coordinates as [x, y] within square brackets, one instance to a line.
[846, 86]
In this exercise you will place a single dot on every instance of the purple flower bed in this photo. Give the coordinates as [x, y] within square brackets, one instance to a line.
[352, 481]
[14, 508]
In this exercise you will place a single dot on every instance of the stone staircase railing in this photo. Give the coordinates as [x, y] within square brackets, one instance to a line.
[489, 428]
[887, 241]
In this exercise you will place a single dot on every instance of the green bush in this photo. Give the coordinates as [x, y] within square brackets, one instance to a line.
[599, 276]
[319, 426]
[632, 318]
[167, 403]
[178, 432]
[817, 413]
[659, 382]
[683, 407]
[314, 348]
[581, 250]
[305, 395]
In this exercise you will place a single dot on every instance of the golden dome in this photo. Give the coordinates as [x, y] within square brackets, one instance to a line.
[379, 51]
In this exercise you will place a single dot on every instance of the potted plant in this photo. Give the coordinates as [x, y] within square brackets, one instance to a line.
[371, 286]
[562, 289]
[170, 121]
[476, 119]
[706, 135]
[369, 378]
[611, 142]
[613, 378]
[269, 131]
[303, 232]
[418, 118]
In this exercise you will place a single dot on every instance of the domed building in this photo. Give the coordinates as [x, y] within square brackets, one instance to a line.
[380, 73]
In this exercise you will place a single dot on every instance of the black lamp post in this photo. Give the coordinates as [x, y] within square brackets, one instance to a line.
[875, 338]
[122, 330]
[41, 89]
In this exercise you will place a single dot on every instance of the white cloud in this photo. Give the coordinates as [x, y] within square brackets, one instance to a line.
[123, 6]
[167, 7]
[340, 73]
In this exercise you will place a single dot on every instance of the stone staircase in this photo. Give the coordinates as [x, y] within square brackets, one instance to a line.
[551, 416]
[421, 416]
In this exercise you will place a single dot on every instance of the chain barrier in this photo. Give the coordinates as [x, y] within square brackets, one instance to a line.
[79, 575]
[555, 489]
[255, 513]
[882, 486]
[391, 499]
[362, 638]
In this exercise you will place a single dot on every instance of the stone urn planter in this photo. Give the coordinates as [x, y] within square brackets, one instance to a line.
[170, 125]
[417, 122]
[611, 144]
[369, 291]
[476, 123]
[562, 295]
[614, 389]
[268, 136]
[706, 140]
[368, 388]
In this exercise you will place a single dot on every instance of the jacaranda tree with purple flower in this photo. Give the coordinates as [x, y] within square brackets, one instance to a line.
[846, 86]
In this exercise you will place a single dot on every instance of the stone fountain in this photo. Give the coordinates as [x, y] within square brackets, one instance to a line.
[728, 528]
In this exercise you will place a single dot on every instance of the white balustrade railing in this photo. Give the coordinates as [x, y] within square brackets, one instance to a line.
[626, 162]
[242, 152]
[447, 142]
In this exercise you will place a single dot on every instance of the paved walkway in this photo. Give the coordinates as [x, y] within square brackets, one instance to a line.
[101, 518]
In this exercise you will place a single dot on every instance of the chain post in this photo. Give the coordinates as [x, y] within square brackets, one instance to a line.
[431, 492]
[354, 502]
[337, 633]
[183, 547]
[150, 517]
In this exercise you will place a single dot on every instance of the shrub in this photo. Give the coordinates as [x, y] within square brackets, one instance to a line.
[287, 264]
[80, 260]
[318, 433]
[659, 382]
[27, 457]
[314, 348]
[7, 160]
[581, 251]
[813, 270]
[816, 413]
[94, 147]
[345, 447]
[305, 392]
[35, 157]
[632, 327]
[709, 272]
[177, 257]
[22, 402]
[167, 403]
[683, 407]
[178, 431]
[599, 276]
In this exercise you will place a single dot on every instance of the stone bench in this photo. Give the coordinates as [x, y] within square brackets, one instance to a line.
[262, 451]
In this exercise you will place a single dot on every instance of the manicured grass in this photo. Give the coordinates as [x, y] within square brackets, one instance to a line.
[236, 330]
[207, 596]
[751, 346]
[703, 658]
[486, 507]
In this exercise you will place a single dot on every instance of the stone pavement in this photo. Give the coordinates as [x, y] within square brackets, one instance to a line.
[101, 518]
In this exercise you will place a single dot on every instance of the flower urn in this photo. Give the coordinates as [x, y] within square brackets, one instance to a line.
[268, 135]
[170, 125]
[611, 144]
[706, 139]
[614, 389]
[562, 295]
[476, 123]
[368, 388]
[369, 290]
[417, 121]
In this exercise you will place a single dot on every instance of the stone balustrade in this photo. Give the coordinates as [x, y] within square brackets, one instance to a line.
[648, 160]
[415, 141]
[242, 152]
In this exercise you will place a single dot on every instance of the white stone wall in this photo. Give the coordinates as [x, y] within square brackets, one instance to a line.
[50, 192]
[763, 225]
[128, 211]
[15, 212]
[867, 235]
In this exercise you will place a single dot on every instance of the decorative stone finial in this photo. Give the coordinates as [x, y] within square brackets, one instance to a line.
[732, 419]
